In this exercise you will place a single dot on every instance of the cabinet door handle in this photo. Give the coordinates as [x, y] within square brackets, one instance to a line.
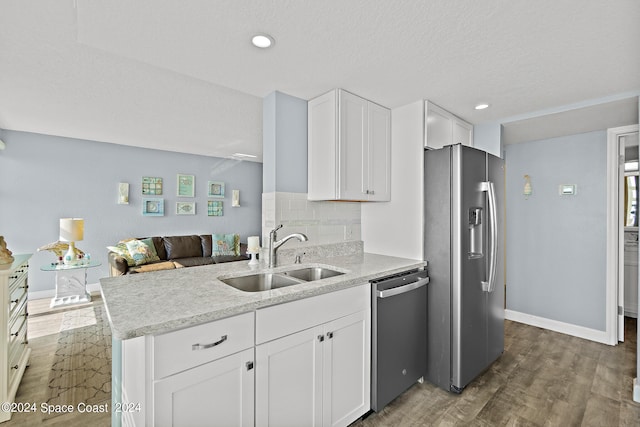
[329, 335]
[249, 366]
[15, 301]
[206, 346]
[15, 367]
[321, 338]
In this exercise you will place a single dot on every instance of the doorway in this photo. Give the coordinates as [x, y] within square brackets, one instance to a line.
[622, 229]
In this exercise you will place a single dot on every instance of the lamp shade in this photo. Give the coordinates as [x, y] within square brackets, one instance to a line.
[71, 229]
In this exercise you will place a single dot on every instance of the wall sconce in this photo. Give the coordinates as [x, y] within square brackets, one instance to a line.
[123, 193]
[527, 186]
[235, 198]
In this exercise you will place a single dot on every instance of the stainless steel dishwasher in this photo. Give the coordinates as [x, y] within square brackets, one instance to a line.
[398, 335]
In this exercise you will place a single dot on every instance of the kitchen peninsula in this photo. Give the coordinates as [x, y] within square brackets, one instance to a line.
[186, 345]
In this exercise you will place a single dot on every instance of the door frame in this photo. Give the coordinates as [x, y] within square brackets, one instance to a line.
[615, 233]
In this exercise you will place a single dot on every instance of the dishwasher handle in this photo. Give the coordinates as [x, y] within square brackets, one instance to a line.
[402, 289]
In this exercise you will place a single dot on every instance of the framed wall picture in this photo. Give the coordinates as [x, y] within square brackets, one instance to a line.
[186, 185]
[186, 208]
[216, 189]
[151, 186]
[153, 207]
[214, 208]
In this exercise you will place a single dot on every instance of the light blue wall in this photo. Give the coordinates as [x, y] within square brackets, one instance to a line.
[44, 178]
[556, 245]
[284, 133]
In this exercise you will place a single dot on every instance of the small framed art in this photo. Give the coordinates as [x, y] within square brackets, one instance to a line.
[186, 208]
[151, 186]
[216, 189]
[186, 185]
[214, 208]
[153, 207]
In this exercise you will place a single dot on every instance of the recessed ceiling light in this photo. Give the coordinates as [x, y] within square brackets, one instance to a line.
[482, 106]
[262, 41]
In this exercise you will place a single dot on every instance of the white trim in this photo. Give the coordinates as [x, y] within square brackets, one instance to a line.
[612, 254]
[636, 390]
[615, 239]
[51, 293]
[557, 326]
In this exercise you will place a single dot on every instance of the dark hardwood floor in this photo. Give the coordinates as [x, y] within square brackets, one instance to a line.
[543, 379]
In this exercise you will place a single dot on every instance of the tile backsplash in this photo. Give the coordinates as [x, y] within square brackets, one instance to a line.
[321, 222]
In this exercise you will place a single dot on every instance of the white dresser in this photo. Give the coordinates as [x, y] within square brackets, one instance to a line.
[14, 353]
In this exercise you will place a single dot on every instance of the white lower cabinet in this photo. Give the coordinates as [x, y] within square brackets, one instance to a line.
[319, 376]
[217, 393]
[289, 380]
[302, 363]
[346, 373]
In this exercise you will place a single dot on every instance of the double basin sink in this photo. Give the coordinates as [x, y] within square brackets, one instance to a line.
[273, 280]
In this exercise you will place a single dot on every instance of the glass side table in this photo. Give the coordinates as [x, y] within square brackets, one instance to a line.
[71, 283]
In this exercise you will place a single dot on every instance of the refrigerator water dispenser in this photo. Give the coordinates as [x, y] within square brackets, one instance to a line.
[475, 233]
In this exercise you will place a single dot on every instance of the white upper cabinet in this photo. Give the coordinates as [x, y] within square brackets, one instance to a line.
[349, 148]
[443, 128]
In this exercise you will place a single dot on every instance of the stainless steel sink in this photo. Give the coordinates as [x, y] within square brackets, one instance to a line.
[312, 273]
[266, 281]
[260, 282]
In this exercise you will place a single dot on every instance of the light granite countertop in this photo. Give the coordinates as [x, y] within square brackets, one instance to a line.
[162, 301]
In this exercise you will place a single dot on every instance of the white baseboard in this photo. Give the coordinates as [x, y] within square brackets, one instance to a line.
[556, 326]
[636, 390]
[50, 293]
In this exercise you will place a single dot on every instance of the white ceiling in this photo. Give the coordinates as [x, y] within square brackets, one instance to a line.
[182, 75]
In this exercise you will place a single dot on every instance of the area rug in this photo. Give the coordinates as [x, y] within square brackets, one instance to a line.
[81, 370]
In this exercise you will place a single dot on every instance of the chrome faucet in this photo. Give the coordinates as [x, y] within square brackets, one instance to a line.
[275, 244]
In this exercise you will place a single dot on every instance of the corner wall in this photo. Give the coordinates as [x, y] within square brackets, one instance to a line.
[284, 198]
[555, 245]
[44, 178]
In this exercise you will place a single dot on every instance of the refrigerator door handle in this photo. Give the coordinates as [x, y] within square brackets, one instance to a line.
[490, 284]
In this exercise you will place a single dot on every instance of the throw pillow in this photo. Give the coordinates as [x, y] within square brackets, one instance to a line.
[142, 251]
[121, 250]
[225, 244]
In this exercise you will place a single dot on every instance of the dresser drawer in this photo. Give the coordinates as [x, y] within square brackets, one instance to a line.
[17, 330]
[17, 345]
[17, 299]
[18, 275]
[184, 349]
[17, 348]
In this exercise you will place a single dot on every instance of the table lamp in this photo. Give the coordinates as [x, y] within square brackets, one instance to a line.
[253, 248]
[71, 230]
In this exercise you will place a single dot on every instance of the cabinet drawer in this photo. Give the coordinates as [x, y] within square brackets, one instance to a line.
[285, 319]
[184, 349]
[17, 344]
[17, 330]
[18, 275]
[17, 299]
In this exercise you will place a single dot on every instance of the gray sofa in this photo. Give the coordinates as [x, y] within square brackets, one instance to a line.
[175, 252]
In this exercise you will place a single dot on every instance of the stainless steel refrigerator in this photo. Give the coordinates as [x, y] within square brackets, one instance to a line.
[464, 245]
